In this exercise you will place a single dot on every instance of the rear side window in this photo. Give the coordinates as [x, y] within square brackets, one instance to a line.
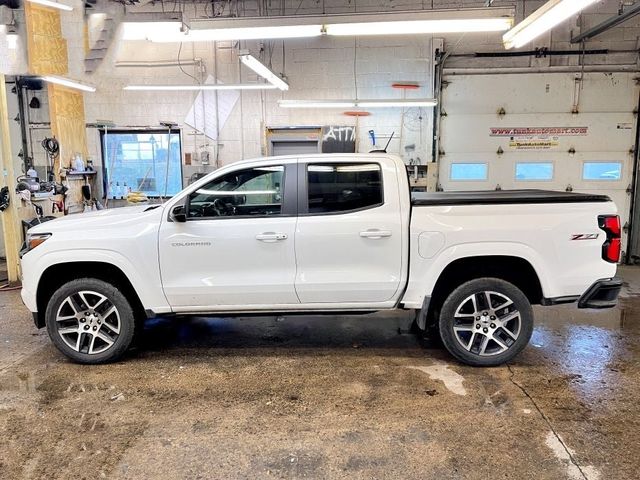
[343, 187]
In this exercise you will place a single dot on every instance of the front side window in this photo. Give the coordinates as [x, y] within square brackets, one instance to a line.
[343, 187]
[250, 192]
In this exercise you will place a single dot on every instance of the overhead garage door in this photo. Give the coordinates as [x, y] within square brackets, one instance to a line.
[518, 131]
[294, 148]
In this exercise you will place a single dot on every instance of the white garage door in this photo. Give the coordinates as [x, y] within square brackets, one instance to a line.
[518, 131]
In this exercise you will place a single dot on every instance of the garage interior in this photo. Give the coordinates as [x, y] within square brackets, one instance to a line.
[106, 104]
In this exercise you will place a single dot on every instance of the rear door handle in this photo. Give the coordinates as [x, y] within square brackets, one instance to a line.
[375, 234]
[270, 237]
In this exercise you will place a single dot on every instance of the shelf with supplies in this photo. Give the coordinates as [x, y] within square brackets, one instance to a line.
[76, 175]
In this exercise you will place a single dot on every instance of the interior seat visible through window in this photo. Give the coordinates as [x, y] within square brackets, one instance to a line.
[251, 192]
[343, 187]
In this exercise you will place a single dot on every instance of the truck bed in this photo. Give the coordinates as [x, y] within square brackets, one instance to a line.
[493, 197]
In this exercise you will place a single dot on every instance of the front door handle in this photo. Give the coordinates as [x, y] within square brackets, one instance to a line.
[270, 237]
[375, 233]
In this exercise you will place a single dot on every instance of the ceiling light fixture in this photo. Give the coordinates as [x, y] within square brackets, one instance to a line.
[382, 103]
[542, 20]
[65, 82]
[414, 27]
[190, 88]
[316, 103]
[256, 28]
[222, 34]
[52, 4]
[11, 31]
[419, 102]
[261, 69]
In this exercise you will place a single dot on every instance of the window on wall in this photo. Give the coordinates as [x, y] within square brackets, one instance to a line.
[602, 171]
[534, 171]
[143, 161]
[469, 171]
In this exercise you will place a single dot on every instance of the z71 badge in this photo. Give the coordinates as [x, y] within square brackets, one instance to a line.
[584, 236]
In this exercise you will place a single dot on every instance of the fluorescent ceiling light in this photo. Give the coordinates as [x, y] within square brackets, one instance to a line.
[256, 28]
[250, 33]
[12, 41]
[11, 32]
[188, 88]
[52, 4]
[542, 20]
[261, 69]
[421, 26]
[317, 103]
[419, 102]
[65, 82]
[386, 103]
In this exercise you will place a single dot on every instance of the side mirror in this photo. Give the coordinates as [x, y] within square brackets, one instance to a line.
[178, 214]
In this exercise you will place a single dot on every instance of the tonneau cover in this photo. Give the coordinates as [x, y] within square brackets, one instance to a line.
[492, 197]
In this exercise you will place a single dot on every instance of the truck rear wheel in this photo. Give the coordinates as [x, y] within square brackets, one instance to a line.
[90, 321]
[486, 322]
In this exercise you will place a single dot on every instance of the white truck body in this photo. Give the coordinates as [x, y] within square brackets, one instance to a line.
[390, 255]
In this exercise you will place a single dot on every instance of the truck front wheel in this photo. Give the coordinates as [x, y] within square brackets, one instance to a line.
[486, 322]
[90, 321]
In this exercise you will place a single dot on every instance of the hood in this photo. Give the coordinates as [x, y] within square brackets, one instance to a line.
[100, 219]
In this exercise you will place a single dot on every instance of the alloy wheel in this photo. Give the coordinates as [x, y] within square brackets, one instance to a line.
[487, 323]
[88, 322]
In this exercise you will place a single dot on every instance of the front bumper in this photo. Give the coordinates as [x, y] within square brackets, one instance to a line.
[602, 294]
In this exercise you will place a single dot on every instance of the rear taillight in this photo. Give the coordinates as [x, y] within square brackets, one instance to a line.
[611, 247]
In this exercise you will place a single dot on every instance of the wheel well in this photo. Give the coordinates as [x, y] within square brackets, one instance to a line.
[57, 275]
[514, 270]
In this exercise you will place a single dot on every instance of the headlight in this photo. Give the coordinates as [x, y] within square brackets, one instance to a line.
[35, 239]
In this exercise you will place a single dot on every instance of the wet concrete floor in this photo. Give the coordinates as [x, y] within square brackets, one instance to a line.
[324, 397]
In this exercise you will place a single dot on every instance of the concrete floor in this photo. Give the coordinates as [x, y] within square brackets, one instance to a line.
[324, 397]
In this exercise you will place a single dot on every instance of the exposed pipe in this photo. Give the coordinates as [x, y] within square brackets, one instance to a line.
[22, 112]
[157, 63]
[552, 69]
[541, 53]
[437, 93]
[632, 256]
[607, 24]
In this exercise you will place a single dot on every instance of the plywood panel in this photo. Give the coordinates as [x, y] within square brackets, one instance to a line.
[47, 49]
[9, 218]
[67, 121]
[66, 111]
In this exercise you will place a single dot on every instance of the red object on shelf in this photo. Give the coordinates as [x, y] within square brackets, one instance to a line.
[357, 113]
[406, 86]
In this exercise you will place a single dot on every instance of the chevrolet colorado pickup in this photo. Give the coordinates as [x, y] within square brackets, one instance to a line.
[323, 233]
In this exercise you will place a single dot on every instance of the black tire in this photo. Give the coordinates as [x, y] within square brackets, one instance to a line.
[123, 320]
[498, 335]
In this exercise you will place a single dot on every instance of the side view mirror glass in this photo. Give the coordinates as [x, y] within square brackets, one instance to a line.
[178, 214]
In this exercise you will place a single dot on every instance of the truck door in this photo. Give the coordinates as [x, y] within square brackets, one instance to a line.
[349, 231]
[236, 247]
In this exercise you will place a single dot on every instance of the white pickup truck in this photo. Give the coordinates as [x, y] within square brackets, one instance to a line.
[323, 233]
